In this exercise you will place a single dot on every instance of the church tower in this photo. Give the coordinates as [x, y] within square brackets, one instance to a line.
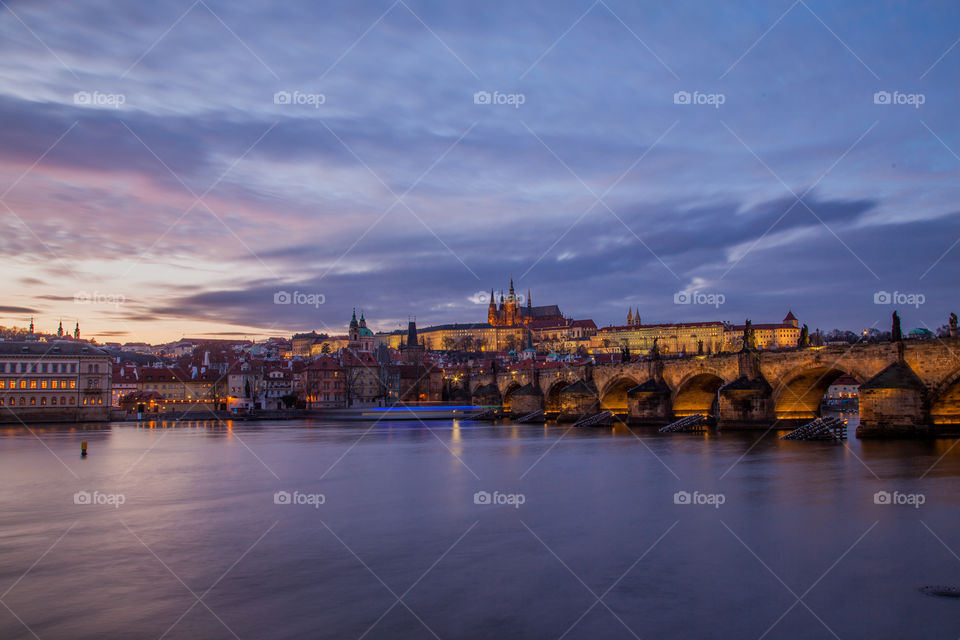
[60, 330]
[76, 331]
[629, 317]
[492, 310]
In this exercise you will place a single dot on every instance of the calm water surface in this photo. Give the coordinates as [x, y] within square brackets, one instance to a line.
[200, 548]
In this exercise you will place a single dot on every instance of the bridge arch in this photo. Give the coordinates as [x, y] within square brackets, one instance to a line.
[552, 400]
[507, 395]
[697, 393]
[800, 391]
[614, 397]
[945, 400]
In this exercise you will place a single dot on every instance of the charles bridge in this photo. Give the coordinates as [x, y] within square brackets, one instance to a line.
[906, 388]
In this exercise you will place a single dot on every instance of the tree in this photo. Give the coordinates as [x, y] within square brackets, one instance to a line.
[351, 378]
[325, 347]
[804, 340]
[449, 343]
[896, 335]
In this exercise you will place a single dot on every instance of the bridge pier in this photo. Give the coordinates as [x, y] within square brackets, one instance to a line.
[578, 400]
[526, 400]
[747, 402]
[649, 403]
[893, 404]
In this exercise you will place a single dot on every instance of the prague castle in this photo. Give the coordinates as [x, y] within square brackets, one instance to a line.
[510, 313]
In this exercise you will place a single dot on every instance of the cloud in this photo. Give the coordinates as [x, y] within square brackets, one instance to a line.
[597, 192]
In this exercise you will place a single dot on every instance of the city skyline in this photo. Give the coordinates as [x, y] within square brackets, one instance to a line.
[609, 156]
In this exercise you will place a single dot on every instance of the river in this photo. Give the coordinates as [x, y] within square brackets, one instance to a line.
[308, 529]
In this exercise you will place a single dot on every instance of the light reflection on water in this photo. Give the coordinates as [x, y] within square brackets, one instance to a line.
[199, 508]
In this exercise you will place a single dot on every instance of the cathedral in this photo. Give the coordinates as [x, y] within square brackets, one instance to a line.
[511, 313]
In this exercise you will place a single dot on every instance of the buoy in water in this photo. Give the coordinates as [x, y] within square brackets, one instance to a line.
[83, 448]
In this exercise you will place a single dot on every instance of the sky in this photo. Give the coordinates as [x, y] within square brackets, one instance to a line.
[251, 169]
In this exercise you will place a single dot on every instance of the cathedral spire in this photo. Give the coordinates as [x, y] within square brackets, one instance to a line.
[529, 303]
[60, 329]
[76, 331]
[629, 317]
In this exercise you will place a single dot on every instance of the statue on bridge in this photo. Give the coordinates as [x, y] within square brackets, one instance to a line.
[804, 340]
[749, 336]
[953, 325]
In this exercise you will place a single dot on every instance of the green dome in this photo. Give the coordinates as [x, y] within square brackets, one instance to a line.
[365, 332]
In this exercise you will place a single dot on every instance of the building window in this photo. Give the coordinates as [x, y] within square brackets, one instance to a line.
[43, 401]
[71, 399]
[33, 402]
[53, 400]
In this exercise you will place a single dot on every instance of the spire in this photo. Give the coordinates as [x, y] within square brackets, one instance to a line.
[512, 294]
[31, 324]
[353, 320]
[60, 329]
[76, 331]
[629, 317]
[636, 317]
[363, 321]
[529, 303]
